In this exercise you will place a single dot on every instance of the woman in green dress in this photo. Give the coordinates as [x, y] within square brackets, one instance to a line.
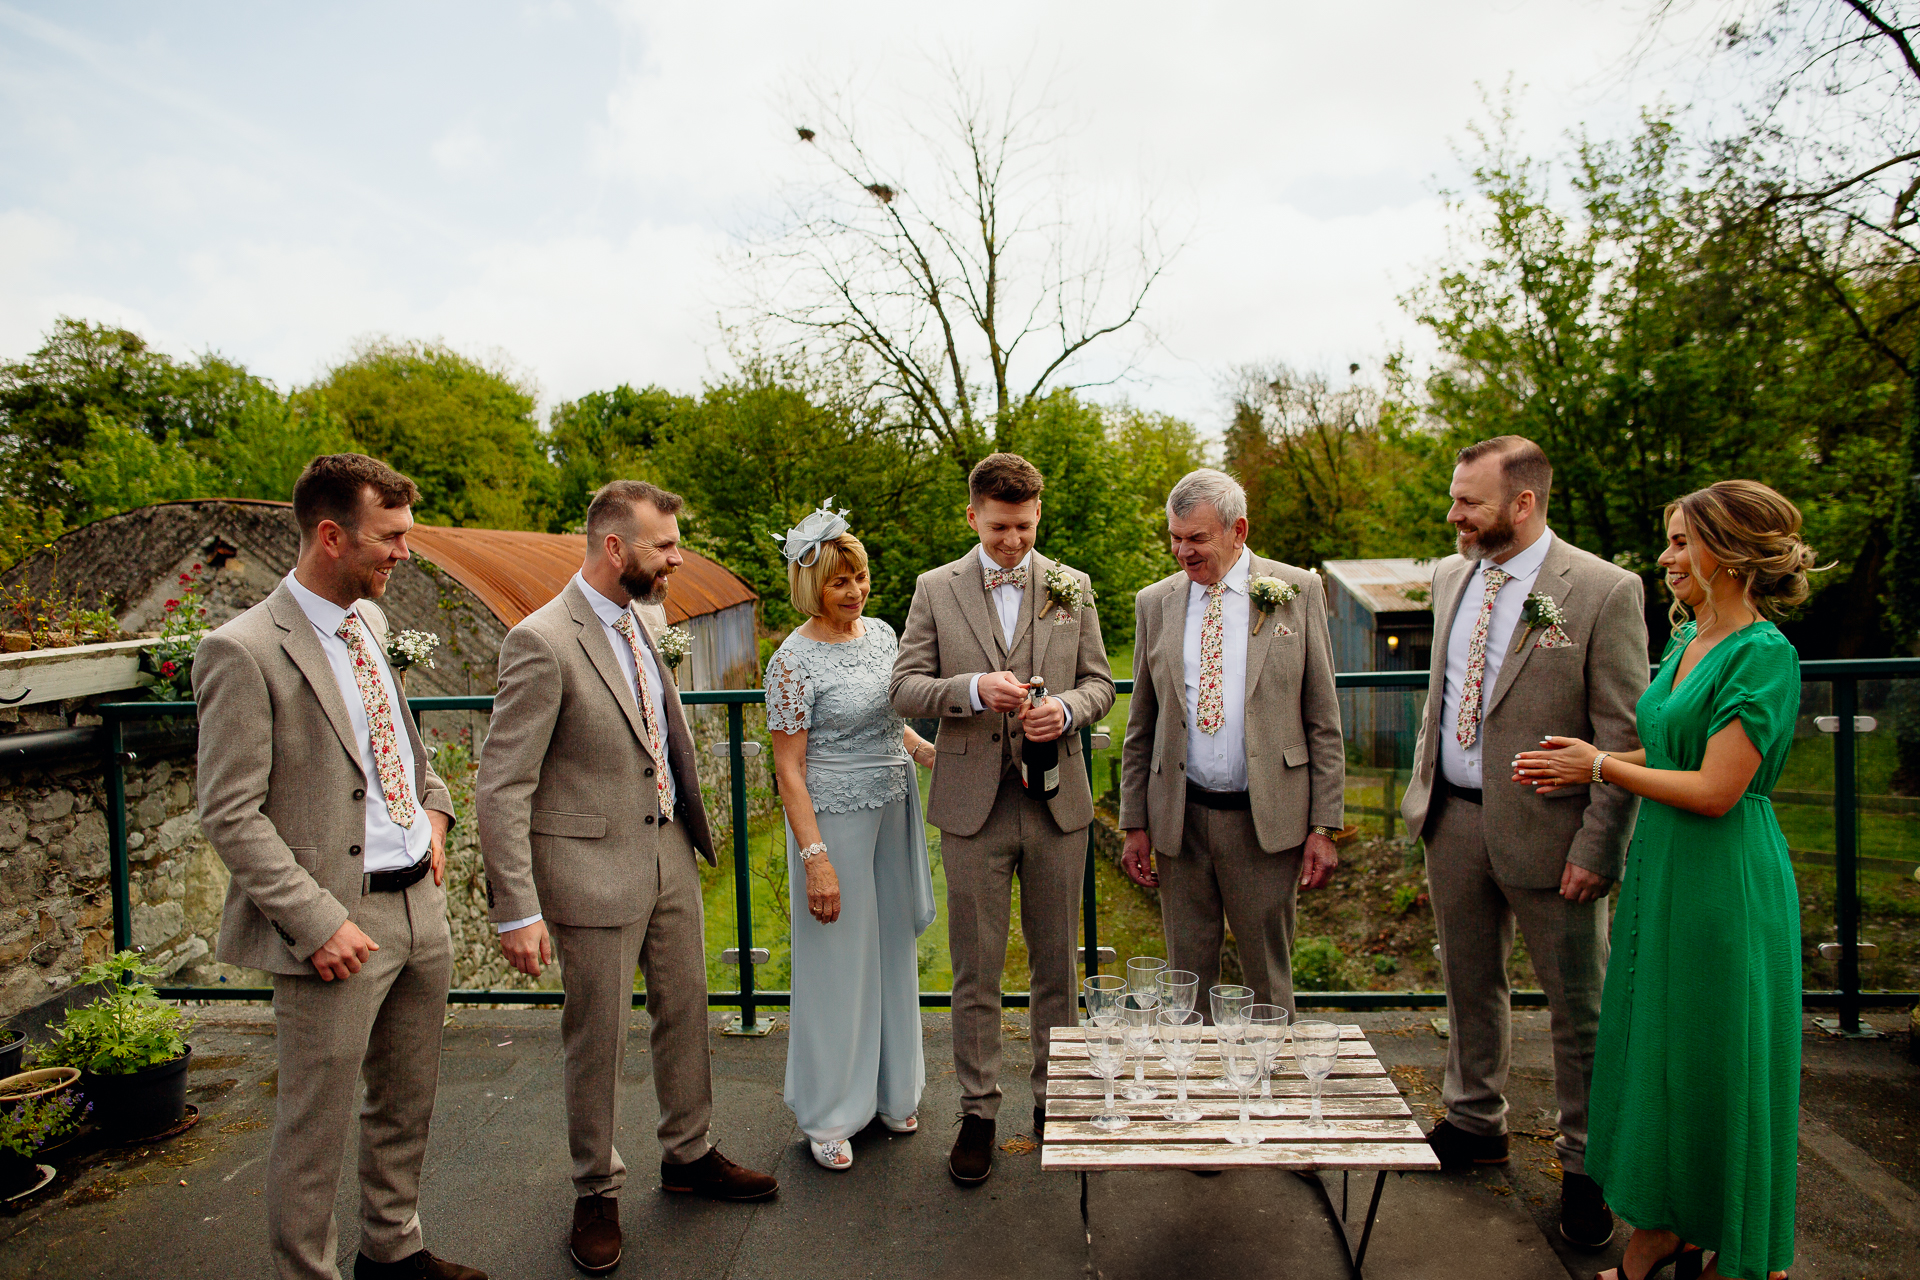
[1696, 1081]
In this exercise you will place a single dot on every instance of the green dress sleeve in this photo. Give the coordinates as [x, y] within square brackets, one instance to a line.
[1760, 687]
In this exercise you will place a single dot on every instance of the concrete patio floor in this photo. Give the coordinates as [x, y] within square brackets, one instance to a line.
[496, 1195]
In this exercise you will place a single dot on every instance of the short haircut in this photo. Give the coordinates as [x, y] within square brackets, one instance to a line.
[332, 485]
[1523, 465]
[611, 510]
[844, 554]
[1216, 489]
[1004, 477]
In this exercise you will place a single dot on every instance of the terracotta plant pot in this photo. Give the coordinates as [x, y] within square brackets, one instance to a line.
[140, 1104]
[36, 1084]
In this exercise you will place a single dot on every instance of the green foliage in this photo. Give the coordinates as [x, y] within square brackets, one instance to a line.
[123, 467]
[1319, 965]
[1386, 964]
[183, 624]
[1405, 898]
[606, 435]
[462, 430]
[56, 616]
[32, 1123]
[122, 1030]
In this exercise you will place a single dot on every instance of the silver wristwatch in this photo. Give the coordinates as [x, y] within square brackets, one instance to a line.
[812, 851]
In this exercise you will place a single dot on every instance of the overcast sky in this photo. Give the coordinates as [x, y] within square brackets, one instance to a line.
[562, 182]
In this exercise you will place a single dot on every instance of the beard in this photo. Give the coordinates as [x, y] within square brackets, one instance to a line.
[645, 586]
[1488, 542]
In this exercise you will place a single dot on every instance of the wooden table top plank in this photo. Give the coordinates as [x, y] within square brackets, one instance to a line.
[1076, 1050]
[1228, 1105]
[1349, 1031]
[1380, 1086]
[1157, 1130]
[1208, 1067]
[1096, 1157]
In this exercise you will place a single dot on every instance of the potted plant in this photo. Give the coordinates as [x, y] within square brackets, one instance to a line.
[29, 1127]
[13, 1044]
[130, 1049]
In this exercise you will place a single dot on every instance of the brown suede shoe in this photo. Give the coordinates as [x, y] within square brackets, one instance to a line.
[595, 1239]
[415, 1266]
[717, 1178]
[972, 1158]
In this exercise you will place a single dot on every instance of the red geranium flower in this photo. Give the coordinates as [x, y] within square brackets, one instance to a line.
[172, 605]
[166, 668]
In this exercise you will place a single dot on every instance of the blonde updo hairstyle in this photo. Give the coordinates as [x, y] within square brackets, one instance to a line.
[1754, 533]
[843, 554]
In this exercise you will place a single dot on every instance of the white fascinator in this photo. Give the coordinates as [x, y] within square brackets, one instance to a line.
[801, 544]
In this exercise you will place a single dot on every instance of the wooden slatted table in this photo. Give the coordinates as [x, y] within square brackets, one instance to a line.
[1367, 1126]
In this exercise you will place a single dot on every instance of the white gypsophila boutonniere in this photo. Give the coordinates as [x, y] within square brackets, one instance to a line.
[1064, 589]
[1267, 595]
[1543, 613]
[412, 649]
[675, 644]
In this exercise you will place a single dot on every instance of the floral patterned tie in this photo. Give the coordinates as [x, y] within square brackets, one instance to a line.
[1212, 711]
[386, 746]
[1007, 578]
[1469, 728]
[663, 781]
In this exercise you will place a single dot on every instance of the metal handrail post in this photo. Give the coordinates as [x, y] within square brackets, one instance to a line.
[742, 880]
[1846, 888]
[116, 778]
[1089, 892]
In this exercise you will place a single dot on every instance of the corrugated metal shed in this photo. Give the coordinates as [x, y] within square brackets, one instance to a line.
[1385, 586]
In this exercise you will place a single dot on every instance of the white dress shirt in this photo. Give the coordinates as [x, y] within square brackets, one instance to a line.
[1006, 600]
[389, 846]
[609, 613]
[1218, 761]
[1461, 765]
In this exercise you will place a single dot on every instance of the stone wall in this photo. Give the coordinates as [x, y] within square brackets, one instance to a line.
[56, 904]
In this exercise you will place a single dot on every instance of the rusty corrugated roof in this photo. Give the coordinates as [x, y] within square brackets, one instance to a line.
[1396, 585]
[515, 573]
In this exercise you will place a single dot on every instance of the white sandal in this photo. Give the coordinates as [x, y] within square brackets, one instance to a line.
[836, 1155]
[910, 1125]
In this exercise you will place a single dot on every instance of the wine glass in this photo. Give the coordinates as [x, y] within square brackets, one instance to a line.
[1180, 1031]
[1137, 1013]
[1267, 1033]
[1229, 1004]
[1107, 1051]
[1177, 988]
[1102, 994]
[1141, 972]
[1239, 1065]
[1316, 1044]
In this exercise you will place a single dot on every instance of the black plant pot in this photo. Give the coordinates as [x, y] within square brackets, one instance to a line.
[139, 1105]
[17, 1173]
[13, 1045]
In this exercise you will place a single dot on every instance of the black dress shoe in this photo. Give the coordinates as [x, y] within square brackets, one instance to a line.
[415, 1266]
[972, 1157]
[594, 1241]
[1455, 1148]
[1585, 1220]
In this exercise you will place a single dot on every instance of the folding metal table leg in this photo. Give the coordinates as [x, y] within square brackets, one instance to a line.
[1366, 1233]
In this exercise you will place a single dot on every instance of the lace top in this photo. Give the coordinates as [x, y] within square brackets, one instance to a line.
[838, 694]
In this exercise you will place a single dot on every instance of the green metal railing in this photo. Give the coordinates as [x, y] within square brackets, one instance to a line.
[1848, 998]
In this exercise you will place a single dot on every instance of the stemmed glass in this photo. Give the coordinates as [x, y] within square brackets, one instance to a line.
[1240, 1063]
[1102, 994]
[1107, 1051]
[1176, 988]
[1137, 1014]
[1267, 1033]
[1180, 1031]
[1229, 1003]
[1316, 1044]
[1141, 972]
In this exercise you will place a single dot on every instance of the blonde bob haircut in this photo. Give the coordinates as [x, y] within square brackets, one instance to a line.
[843, 554]
[1754, 532]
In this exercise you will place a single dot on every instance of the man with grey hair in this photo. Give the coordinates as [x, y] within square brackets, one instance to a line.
[1234, 770]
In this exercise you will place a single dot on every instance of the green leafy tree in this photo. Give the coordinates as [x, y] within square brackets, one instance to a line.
[464, 431]
[606, 435]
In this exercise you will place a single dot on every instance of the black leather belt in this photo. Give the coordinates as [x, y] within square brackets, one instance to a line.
[1472, 795]
[1197, 794]
[396, 881]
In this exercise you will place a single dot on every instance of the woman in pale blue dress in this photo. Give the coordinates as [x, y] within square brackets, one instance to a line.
[856, 851]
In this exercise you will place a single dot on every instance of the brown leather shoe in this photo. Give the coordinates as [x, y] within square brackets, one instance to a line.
[717, 1178]
[972, 1157]
[415, 1266]
[1457, 1149]
[595, 1239]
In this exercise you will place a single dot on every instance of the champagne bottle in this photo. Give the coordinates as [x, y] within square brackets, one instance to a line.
[1039, 761]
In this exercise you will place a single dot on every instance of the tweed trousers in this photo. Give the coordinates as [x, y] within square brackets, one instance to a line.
[1223, 875]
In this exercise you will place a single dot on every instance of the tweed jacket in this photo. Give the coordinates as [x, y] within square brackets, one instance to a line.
[281, 789]
[1296, 757]
[566, 793]
[1587, 689]
[952, 633]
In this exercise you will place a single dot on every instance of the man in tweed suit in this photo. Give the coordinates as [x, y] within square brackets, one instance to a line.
[1234, 770]
[978, 631]
[590, 820]
[1532, 636]
[316, 792]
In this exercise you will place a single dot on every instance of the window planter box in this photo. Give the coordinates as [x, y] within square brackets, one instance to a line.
[51, 675]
